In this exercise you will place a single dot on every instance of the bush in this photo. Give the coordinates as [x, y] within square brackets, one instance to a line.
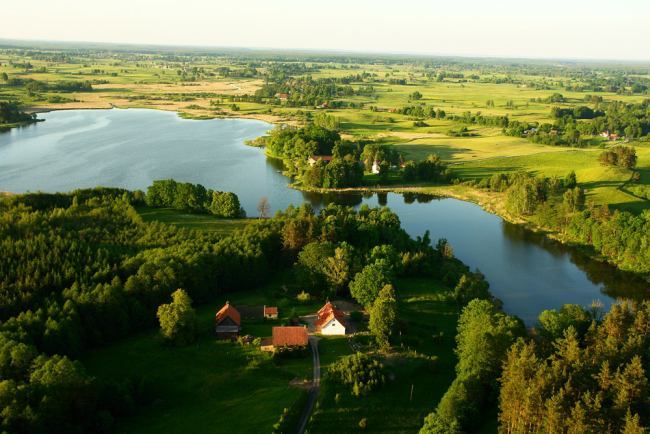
[361, 372]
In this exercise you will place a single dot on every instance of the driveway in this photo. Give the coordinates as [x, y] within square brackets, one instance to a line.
[315, 387]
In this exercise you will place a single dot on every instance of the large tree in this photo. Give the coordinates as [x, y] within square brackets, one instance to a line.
[177, 319]
[383, 315]
[368, 282]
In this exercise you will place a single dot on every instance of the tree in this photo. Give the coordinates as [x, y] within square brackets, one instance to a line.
[522, 197]
[383, 315]
[312, 262]
[621, 156]
[5, 77]
[226, 205]
[178, 323]
[263, 207]
[573, 199]
[471, 286]
[368, 282]
[339, 267]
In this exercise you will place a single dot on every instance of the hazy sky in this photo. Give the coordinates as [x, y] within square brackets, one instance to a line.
[600, 29]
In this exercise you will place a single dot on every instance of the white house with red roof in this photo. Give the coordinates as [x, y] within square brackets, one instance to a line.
[330, 321]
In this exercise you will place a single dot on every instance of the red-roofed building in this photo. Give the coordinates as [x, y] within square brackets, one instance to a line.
[330, 321]
[227, 322]
[286, 337]
[270, 312]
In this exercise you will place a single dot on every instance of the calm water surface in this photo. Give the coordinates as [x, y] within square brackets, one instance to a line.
[131, 148]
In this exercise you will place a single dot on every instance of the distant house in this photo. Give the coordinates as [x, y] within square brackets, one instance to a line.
[322, 106]
[227, 322]
[315, 158]
[330, 320]
[270, 312]
[282, 96]
[609, 136]
[286, 337]
[375, 167]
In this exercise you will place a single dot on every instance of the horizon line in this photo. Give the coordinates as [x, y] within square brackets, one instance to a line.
[335, 51]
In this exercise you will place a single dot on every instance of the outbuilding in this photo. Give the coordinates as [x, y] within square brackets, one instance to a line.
[286, 337]
[227, 322]
[270, 312]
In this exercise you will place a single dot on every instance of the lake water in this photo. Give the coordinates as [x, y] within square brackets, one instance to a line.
[131, 148]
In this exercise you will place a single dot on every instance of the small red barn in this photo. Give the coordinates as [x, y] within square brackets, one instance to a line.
[270, 312]
[227, 322]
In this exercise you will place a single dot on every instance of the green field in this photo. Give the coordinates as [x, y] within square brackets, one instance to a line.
[199, 222]
[200, 91]
[210, 386]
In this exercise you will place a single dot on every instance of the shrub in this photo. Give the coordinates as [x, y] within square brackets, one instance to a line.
[361, 372]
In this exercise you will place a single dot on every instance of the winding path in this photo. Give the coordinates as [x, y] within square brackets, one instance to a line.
[315, 387]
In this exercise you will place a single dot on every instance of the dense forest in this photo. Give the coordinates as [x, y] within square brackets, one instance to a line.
[82, 269]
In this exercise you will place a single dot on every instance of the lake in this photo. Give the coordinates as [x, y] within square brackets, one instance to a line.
[131, 148]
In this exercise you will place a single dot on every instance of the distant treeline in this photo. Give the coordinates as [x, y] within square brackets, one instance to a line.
[10, 113]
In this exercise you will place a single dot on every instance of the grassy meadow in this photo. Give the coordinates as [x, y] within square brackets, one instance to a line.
[201, 89]
[200, 222]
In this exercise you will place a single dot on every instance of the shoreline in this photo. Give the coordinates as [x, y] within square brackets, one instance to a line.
[490, 202]
[269, 118]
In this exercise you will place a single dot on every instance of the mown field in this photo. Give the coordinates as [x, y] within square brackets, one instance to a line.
[201, 89]
[200, 222]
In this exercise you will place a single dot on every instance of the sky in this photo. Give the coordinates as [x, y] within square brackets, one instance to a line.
[575, 29]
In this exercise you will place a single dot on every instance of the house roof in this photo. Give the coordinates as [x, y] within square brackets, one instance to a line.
[227, 311]
[327, 313]
[327, 307]
[270, 310]
[290, 336]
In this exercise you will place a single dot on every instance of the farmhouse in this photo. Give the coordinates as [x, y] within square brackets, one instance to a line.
[270, 312]
[227, 322]
[375, 167]
[330, 320]
[286, 337]
[314, 158]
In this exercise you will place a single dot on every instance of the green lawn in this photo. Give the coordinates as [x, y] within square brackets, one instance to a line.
[207, 387]
[200, 222]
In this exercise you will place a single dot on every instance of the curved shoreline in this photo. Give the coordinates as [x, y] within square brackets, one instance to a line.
[490, 202]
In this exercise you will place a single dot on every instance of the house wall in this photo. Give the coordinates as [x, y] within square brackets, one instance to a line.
[333, 328]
